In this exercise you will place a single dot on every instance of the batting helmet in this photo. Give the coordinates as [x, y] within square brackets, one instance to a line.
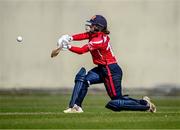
[98, 20]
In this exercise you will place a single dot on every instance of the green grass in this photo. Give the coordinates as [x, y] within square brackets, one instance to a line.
[45, 111]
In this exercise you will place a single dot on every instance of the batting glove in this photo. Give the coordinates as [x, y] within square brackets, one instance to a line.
[66, 46]
[64, 39]
[67, 38]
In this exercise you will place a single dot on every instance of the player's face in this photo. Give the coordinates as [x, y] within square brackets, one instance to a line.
[87, 28]
[90, 28]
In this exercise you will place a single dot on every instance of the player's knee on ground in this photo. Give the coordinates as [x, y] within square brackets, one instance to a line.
[113, 105]
[126, 103]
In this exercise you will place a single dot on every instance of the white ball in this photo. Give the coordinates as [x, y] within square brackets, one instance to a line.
[19, 39]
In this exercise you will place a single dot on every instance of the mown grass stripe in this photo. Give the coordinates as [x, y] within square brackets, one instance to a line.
[57, 113]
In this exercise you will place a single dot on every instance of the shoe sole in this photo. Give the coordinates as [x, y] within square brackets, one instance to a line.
[152, 106]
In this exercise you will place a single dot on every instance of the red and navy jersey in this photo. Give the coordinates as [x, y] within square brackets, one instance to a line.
[98, 45]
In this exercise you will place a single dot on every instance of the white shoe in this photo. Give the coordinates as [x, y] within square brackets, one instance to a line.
[75, 109]
[152, 106]
[68, 110]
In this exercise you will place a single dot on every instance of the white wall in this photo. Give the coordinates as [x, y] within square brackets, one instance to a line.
[144, 35]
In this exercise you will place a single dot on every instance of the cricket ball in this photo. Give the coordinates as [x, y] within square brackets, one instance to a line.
[19, 39]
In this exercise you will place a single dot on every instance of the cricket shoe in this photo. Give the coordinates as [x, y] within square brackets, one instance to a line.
[75, 109]
[152, 106]
[68, 110]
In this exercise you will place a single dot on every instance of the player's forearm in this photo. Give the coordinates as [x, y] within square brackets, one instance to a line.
[81, 36]
[78, 50]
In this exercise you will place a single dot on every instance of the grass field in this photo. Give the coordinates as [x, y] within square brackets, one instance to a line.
[45, 112]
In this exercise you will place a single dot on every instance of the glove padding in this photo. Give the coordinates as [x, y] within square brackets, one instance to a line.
[63, 43]
[65, 46]
[65, 39]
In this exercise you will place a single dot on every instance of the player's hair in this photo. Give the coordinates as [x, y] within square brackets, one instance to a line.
[106, 31]
[102, 29]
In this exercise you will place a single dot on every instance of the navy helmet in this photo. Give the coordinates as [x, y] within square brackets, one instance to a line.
[98, 20]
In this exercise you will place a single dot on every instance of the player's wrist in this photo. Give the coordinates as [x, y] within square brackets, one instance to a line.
[69, 46]
[70, 38]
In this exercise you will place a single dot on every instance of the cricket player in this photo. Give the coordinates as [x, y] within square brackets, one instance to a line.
[107, 70]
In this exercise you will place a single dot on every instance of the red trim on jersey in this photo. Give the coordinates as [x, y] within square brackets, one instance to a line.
[111, 81]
